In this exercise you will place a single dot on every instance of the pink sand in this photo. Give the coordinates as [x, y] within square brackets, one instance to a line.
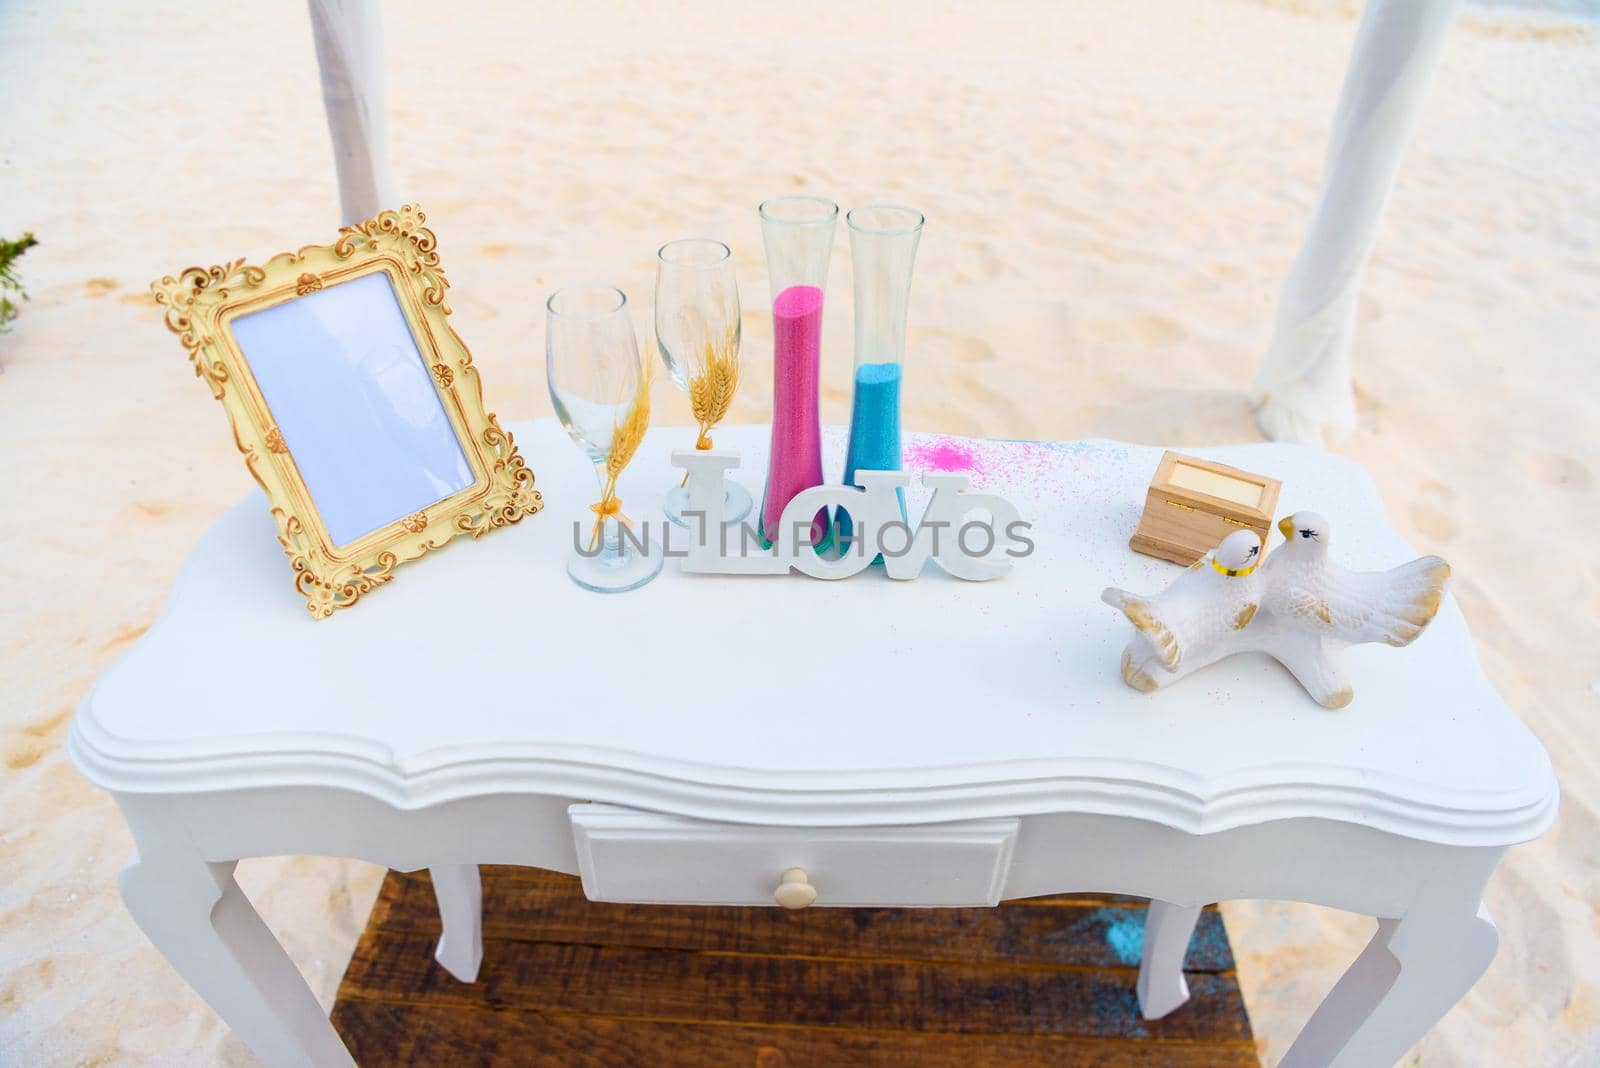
[943, 454]
[796, 457]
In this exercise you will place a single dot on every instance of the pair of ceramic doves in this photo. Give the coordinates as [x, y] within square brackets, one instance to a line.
[1299, 607]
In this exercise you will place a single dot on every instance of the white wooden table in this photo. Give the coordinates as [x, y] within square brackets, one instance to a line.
[921, 743]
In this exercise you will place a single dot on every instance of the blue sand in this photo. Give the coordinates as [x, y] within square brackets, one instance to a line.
[1124, 933]
[874, 430]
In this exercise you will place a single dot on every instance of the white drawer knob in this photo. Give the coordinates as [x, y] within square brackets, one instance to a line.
[795, 892]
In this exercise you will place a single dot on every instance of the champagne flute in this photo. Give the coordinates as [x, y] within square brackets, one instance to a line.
[697, 333]
[592, 363]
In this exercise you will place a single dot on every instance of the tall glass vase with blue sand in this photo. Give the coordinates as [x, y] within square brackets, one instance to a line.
[883, 251]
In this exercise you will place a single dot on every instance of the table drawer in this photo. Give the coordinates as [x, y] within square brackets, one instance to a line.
[648, 858]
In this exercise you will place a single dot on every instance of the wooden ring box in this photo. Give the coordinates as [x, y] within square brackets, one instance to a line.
[1192, 504]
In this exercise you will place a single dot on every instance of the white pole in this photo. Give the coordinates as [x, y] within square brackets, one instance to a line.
[1303, 389]
[349, 35]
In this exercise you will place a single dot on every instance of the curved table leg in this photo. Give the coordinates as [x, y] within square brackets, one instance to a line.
[1409, 975]
[459, 893]
[1167, 930]
[196, 915]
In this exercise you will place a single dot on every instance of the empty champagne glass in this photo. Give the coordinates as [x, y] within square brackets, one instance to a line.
[592, 362]
[697, 333]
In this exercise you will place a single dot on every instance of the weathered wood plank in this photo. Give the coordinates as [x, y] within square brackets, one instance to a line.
[384, 1033]
[706, 987]
[569, 982]
[528, 905]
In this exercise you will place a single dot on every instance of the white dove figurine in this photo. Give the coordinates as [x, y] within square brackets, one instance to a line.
[1299, 608]
[1195, 621]
[1315, 608]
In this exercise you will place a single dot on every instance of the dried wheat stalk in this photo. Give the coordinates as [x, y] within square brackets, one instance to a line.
[626, 434]
[711, 391]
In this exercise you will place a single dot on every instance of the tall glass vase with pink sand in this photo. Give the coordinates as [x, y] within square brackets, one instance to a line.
[798, 234]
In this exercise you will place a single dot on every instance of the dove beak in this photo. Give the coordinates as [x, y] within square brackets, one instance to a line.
[1286, 527]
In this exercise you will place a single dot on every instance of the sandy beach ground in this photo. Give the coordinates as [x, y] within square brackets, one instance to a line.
[1113, 192]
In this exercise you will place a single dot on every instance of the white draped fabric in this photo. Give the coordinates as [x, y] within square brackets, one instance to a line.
[349, 37]
[1303, 390]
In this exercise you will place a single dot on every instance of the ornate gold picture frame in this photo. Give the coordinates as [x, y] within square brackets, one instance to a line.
[486, 486]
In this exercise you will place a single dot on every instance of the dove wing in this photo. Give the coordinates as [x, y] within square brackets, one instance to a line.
[1202, 610]
[1188, 621]
[1366, 606]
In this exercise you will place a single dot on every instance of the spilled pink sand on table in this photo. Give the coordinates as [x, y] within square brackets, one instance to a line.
[944, 454]
[1029, 468]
